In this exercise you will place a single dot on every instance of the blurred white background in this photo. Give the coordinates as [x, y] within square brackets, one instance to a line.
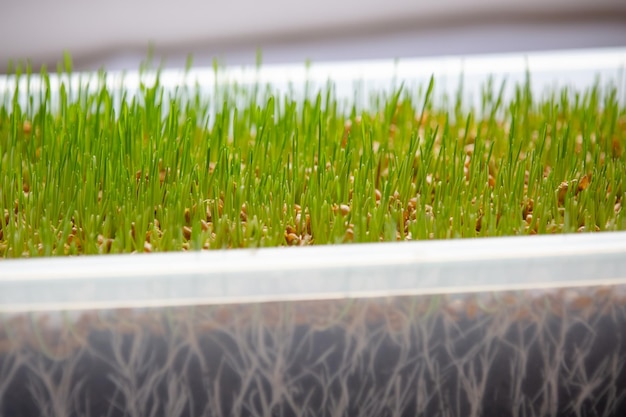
[117, 33]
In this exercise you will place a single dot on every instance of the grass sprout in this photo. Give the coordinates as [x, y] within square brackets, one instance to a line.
[91, 168]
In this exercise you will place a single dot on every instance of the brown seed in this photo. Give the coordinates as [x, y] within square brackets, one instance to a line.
[378, 194]
[617, 147]
[471, 309]
[147, 247]
[187, 232]
[204, 225]
[562, 191]
[298, 220]
[346, 131]
[292, 239]
[392, 131]
[468, 160]
[187, 216]
[345, 209]
[603, 292]
[28, 127]
[455, 307]
[479, 223]
[528, 207]
[582, 302]
[583, 183]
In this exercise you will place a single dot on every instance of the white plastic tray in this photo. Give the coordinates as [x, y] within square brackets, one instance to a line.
[548, 70]
[314, 273]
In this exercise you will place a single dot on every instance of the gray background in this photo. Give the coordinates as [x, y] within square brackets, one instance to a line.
[117, 33]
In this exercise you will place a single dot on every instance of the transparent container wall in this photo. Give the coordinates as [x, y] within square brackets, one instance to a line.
[527, 353]
[528, 326]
